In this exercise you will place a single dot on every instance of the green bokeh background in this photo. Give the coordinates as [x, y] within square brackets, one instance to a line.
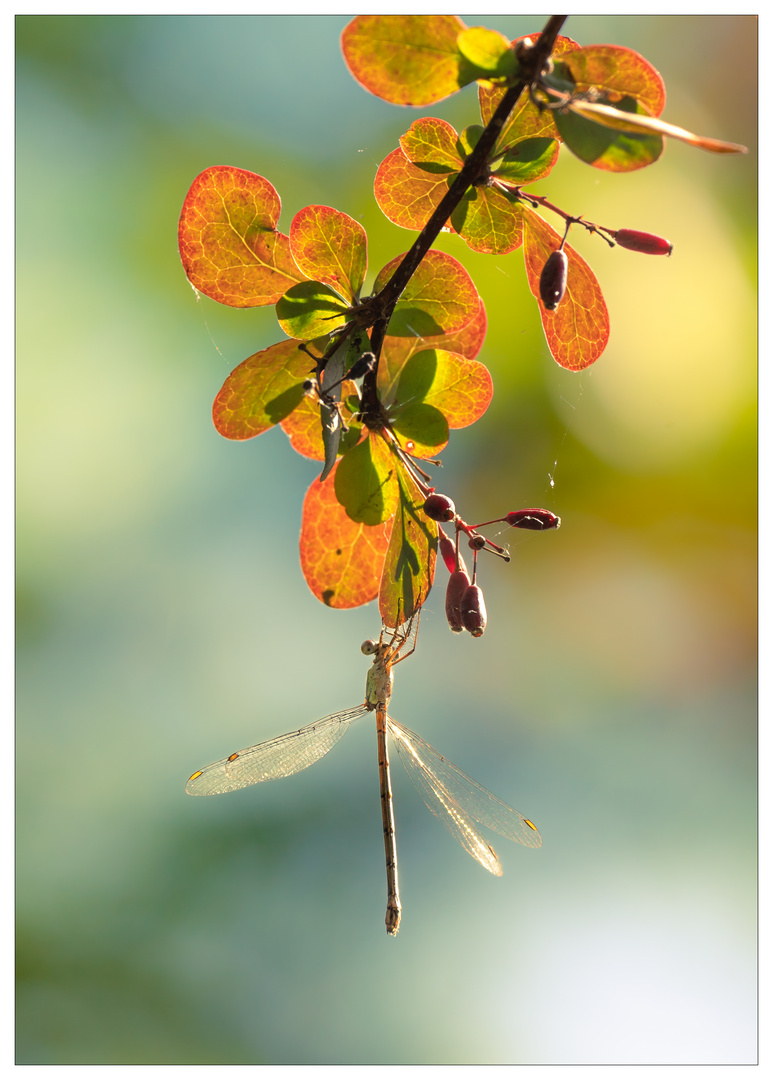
[164, 621]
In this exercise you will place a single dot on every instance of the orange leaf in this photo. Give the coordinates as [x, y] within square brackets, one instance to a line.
[341, 559]
[578, 330]
[229, 245]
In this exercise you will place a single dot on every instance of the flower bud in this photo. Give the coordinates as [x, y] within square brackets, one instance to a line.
[439, 508]
[535, 519]
[458, 584]
[646, 243]
[473, 610]
[552, 281]
[448, 551]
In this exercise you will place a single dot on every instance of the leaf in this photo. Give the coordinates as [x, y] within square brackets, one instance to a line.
[488, 50]
[397, 350]
[432, 145]
[341, 559]
[488, 221]
[409, 566]
[406, 59]
[423, 429]
[365, 482]
[262, 391]
[620, 72]
[613, 151]
[578, 330]
[649, 127]
[459, 388]
[525, 121]
[406, 193]
[330, 247]
[527, 161]
[439, 299]
[310, 309]
[229, 245]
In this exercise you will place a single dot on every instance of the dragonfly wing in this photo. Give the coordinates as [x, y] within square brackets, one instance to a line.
[456, 799]
[439, 799]
[283, 756]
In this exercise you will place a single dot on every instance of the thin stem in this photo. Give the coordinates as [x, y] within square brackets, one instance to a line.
[532, 63]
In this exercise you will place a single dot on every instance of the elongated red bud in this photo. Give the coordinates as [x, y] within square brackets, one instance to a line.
[458, 584]
[646, 243]
[448, 551]
[473, 610]
[552, 280]
[533, 518]
[439, 508]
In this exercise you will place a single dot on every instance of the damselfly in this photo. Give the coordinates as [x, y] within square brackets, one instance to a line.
[449, 793]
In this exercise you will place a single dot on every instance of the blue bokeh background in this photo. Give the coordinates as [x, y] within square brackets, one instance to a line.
[164, 621]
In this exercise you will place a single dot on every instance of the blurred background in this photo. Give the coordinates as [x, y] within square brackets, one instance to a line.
[163, 620]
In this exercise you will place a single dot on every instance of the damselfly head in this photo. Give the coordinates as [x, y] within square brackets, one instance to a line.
[369, 647]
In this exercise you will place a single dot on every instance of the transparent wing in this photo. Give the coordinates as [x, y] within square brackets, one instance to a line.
[283, 756]
[457, 799]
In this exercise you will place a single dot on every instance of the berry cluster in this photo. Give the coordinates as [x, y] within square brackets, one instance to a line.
[465, 606]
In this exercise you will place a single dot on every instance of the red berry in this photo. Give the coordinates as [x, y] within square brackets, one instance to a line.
[645, 242]
[458, 584]
[474, 610]
[552, 281]
[439, 508]
[535, 519]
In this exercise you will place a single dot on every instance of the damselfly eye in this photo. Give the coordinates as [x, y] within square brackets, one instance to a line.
[369, 647]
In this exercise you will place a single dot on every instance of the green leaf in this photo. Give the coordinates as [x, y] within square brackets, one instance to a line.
[262, 391]
[341, 559]
[439, 299]
[459, 388]
[396, 352]
[605, 147]
[330, 247]
[229, 245]
[409, 566]
[422, 428]
[310, 310]
[488, 50]
[527, 161]
[407, 59]
[365, 482]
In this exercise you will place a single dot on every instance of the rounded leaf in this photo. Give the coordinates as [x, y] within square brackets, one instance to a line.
[330, 247]
[341, 559]
[365, 482]
[439, 299]
[620, 72]
[310, 309]
[406, 59]
[262, 391]
[459, 388]
[396, 351]
[578, 331]
[229, 245]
